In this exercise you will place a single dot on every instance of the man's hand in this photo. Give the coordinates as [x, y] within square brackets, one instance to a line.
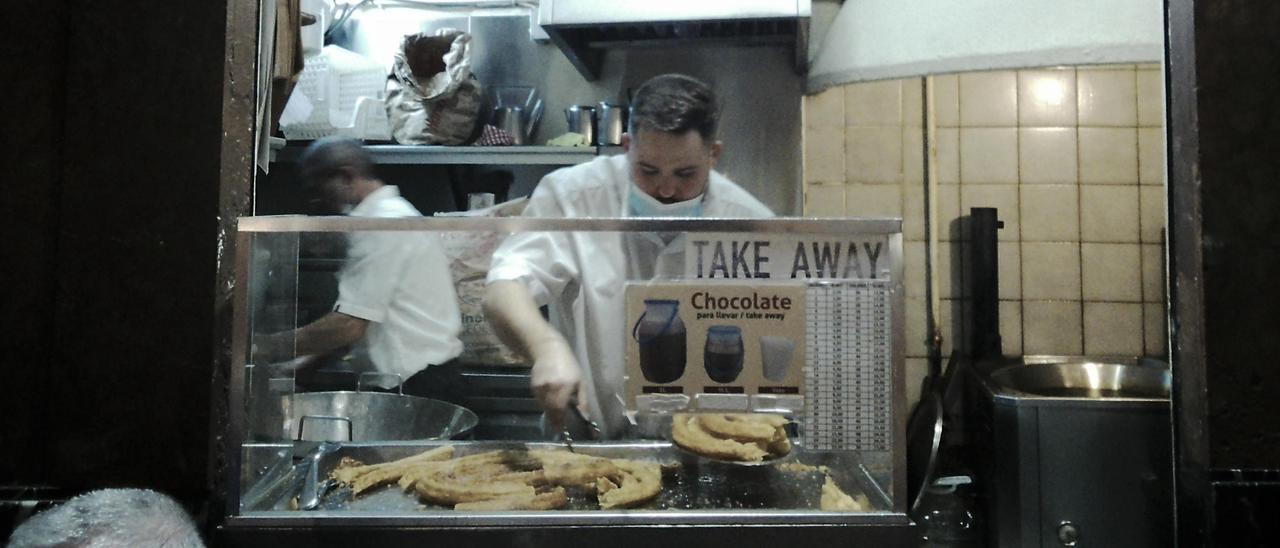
[556, 375]
[557, 380]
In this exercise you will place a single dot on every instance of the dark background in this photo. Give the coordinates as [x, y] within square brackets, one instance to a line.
[111, 226]
[126, 148]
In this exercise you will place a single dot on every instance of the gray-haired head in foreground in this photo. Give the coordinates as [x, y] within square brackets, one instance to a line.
[331, 156]
[676, 103]
[110, 518]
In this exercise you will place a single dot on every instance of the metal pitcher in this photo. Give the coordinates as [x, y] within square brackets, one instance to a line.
[610, 123]
[582, 120]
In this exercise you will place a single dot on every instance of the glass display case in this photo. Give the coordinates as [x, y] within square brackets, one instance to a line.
[738, 371]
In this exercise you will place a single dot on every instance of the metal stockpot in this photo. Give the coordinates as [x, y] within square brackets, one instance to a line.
[366, 416]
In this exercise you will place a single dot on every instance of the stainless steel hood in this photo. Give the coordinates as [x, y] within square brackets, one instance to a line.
[585, 29]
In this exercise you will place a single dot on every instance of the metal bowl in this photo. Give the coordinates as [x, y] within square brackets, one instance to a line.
[1086, 380]
[373, 416]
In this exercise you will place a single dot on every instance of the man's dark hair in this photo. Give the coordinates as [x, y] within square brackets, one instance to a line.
[328, 157]
[676, 103]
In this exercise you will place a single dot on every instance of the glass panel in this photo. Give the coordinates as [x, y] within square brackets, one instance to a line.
[742, 366]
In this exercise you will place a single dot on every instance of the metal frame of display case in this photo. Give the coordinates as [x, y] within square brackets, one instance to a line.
[882, 525]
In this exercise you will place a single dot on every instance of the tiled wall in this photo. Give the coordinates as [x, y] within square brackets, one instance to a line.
[1072, 158]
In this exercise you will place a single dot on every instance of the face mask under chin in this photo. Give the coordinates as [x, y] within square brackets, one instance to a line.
[640, 204]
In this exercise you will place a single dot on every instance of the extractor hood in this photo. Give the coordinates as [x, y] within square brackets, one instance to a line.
[882, 39]
[585, 29]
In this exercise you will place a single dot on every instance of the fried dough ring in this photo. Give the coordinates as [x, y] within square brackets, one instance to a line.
[574, 470]
[689, 434]
[641, 481]
[739, 426]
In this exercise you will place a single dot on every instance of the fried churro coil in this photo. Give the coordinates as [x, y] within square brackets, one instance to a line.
[574, 470]
[640, 482]
[689, 434]
[739, 426]
[550, 500]
[363, 477]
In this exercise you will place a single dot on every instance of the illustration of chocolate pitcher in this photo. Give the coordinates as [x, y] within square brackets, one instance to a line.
[661, 335]
[722, 356]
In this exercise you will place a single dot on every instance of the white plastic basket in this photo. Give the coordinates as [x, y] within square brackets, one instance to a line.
[345, 90]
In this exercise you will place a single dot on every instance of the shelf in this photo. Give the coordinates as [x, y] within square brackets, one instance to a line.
[505, 155]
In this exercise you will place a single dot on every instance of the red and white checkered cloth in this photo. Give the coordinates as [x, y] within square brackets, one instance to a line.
[493, 136]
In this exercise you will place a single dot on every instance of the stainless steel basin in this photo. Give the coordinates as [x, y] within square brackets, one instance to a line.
[1086, 379]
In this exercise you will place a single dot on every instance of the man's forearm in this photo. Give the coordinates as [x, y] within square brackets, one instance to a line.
[332, 331]
[515, 318]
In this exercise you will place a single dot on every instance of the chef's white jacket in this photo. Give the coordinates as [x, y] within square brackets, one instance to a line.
[399, 281]
[580, 276]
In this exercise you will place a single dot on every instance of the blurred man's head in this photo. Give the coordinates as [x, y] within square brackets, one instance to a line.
[337, 173]
[671, 141]
[110, 518]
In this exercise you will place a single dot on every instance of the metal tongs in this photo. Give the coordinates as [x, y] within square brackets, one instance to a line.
[592, 425]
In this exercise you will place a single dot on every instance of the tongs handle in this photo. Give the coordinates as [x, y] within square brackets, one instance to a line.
[595, 428]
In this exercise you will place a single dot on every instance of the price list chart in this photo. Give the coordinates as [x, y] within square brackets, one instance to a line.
[849, 365]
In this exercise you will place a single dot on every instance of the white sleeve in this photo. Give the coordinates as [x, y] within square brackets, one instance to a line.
[367, 281]
[542, 261]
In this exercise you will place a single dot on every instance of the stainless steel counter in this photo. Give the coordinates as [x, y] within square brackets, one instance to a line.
[702, 502]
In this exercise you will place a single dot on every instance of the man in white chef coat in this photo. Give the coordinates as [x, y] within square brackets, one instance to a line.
[396, 307]
[666, 171]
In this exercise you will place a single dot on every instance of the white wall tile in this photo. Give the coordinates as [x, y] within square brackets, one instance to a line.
[1108, 155]
[824, 155]
[913, 266]
[1051, 327]
[1155, 330]
[1153, 282]
[950, 284]
[913, 212]
[873, 154]
[873, 103]
[1047, 97]
[1107, 98]
[824, 200]
[912, 102]
[1050, 213]
[989, 99]
[946, 100]
[948, 211]
[912, 155]
[1002, 197]
[1150, 98]
[1048, 155]
[989, 155]
[916, 370]
[1151, 161]
[1050, 271]
[866, 200]
[1010, 269]
[1152, 212]
[1109, 213]
[1011, 328]
[1111, 272]
[948, 322]
[914, 316]
[1112, 329]
[948, 155]
[825, 109]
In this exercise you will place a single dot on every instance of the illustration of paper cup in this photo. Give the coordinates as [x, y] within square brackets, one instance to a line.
[776, 353]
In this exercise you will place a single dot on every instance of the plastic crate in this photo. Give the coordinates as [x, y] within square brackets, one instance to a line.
[345, 90]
